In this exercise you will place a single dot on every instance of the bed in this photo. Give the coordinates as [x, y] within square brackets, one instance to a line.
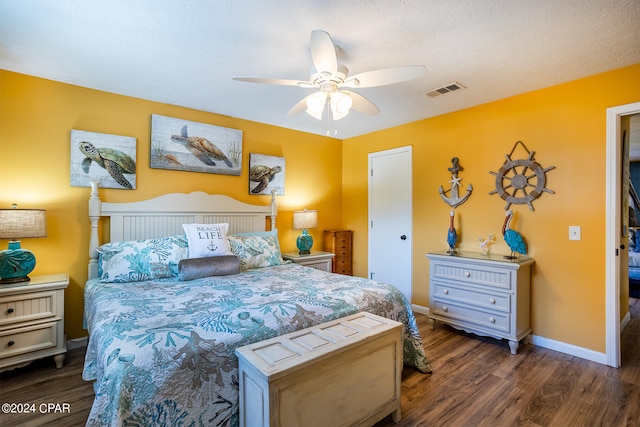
[161, 349]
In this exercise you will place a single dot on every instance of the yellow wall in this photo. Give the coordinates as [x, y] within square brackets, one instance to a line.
[36, 117]
[565, 126]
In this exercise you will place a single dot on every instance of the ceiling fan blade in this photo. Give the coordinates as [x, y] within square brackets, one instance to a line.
[362, 104]
[282, 82]
[323, 52]
[385, 76]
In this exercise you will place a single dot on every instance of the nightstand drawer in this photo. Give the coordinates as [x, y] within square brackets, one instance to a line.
[469, 273]
[476, 319]
[32, 338]
[26, 307]
[489, 300]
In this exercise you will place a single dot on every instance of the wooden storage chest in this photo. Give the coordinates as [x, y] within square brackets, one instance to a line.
[345, 372]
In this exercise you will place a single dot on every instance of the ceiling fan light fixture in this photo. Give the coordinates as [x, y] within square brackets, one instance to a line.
[316, 102]
[341, 102]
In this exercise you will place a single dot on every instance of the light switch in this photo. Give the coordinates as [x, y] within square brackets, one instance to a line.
[574, 232]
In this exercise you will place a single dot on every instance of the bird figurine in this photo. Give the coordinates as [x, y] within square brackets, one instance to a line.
[202, 148]
[514, 240]
[452, 236]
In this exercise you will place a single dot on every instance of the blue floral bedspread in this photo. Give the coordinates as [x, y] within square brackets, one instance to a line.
[161, 352]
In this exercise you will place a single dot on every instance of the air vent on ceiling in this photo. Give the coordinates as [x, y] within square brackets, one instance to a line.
[451, 87]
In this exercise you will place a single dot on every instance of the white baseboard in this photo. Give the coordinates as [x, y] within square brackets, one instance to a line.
[554, 345]
[420, 309]
[573, 350]
[77, 343]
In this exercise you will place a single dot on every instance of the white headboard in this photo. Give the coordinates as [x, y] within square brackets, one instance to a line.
[164, 215]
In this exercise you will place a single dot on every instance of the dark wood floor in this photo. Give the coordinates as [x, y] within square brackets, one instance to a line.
[476, 382]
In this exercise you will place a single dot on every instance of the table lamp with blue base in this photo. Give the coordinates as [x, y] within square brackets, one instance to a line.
[303, 220]
[15, 262]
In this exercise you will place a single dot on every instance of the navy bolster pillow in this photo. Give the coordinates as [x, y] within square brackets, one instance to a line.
[195, 268]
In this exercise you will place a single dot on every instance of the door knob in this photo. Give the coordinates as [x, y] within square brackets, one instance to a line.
[403, 237]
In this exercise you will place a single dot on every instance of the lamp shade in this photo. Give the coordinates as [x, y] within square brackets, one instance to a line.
[305, 219]
[22, 223]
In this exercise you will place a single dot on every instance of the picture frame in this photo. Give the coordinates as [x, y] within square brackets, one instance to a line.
[266, 173]
[108, 159]
[184, 145]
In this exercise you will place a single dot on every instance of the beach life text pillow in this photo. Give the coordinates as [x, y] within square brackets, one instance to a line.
[207, 240]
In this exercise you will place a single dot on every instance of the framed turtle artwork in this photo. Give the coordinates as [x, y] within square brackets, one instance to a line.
[108, 159]
[183, 145]
[266, 173]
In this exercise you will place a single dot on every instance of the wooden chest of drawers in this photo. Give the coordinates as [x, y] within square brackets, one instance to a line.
[485, 295]
[339, 242]
[346, 372]
[32, 321]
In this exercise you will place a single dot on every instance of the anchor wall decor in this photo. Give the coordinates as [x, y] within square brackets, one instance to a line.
[454, 199]
[525, 178]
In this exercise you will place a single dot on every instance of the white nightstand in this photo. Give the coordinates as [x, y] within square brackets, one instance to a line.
[32, 321]
[316, 259]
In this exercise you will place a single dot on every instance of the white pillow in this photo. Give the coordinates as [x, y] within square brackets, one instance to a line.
[206, 240]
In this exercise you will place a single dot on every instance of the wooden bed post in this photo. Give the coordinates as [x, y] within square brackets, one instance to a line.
[274, 209]
[95, 207]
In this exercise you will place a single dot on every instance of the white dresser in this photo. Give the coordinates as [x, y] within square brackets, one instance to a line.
[484, 295]
[32, 321]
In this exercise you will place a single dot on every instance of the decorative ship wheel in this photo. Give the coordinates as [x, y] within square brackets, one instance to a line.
[521, 181]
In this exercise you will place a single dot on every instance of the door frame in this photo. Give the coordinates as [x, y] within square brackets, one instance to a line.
[613, 224]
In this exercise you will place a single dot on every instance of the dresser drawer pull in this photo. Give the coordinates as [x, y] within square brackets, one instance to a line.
[492, 300]
[445, 308]
[467, 274]
[10, 343]
[492, 319]
[9, 311]
[445, 291]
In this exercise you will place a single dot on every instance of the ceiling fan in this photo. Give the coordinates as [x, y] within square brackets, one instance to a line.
[330, 77]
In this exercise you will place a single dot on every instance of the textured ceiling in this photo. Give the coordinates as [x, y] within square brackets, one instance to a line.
[186, 52]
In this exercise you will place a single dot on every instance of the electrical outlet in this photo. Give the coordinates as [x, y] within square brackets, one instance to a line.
[574, 232]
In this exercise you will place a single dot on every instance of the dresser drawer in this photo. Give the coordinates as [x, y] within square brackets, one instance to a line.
[476, 319]
[32, 338]
[474, 274]
[29, 306]
[499, 301]
[343, 253]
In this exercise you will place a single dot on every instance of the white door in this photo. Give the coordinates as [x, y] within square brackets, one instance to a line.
[390, 218]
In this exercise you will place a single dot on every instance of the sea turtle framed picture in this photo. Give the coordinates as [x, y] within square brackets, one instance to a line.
[184, 145]
[266, 173]
[108, 159]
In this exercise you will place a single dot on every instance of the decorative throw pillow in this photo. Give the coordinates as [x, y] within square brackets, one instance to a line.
[195, 268]
[256, 250]
[138, 260]
[207, 240]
